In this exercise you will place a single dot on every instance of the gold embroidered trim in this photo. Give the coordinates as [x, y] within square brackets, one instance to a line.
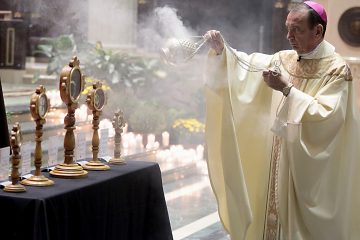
[312, 68]
[348, 75]
[309, 68]
[272, 224]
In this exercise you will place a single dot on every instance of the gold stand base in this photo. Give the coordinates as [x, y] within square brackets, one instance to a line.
[65, 170]
[38, 181]
[15, 188]
[96, 166]
[117, 161]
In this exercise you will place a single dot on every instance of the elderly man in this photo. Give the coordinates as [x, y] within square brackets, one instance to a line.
[282, 136]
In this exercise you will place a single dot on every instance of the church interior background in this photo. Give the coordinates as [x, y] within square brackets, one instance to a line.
[118, 42]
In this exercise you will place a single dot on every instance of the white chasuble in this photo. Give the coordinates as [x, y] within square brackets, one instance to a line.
[284, 168]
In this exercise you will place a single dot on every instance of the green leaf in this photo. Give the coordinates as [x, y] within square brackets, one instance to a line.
[46, 50]
[65, 42]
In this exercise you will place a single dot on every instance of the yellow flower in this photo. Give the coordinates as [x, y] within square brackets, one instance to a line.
[89, 81]
[191, 125]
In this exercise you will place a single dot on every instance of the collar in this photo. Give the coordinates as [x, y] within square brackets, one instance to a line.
[322, 50]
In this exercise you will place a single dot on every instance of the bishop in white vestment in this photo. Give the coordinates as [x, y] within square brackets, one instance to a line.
[284, 167]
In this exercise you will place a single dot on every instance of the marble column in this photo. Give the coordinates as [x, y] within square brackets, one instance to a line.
[113, 22]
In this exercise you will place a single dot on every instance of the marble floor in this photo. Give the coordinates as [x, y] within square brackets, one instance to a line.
[191, 203]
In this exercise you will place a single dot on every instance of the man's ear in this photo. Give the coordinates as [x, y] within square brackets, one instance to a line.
[319, 30]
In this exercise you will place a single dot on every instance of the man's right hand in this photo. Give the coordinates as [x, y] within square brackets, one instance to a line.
[215, 40]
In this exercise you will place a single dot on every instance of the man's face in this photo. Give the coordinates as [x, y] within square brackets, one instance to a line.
[302, 39]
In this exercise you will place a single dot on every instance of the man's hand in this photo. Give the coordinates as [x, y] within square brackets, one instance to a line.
[275, 80]
[215, 40]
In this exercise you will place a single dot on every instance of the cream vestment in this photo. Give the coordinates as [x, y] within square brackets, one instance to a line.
[284, 167]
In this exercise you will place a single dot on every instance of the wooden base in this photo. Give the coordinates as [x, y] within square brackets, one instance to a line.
[15, 188]
[96, 166]
[38, 181]
[117, 161]
[72, 170]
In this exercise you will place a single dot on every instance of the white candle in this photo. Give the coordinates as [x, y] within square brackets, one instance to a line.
[139, 142]
[106, 123]
[132, 144]
[125, 141]
[200, 152]
[150, 139]
[165, 139]
[125, 128]
[81, 114]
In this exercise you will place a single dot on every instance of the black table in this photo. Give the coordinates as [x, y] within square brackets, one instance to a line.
[126, 202]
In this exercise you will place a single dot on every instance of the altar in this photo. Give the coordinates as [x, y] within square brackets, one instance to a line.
[126, 202]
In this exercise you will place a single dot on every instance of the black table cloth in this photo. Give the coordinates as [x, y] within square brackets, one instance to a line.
[126, 202]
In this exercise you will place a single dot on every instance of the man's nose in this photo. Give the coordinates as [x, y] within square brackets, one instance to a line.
[289, 35]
